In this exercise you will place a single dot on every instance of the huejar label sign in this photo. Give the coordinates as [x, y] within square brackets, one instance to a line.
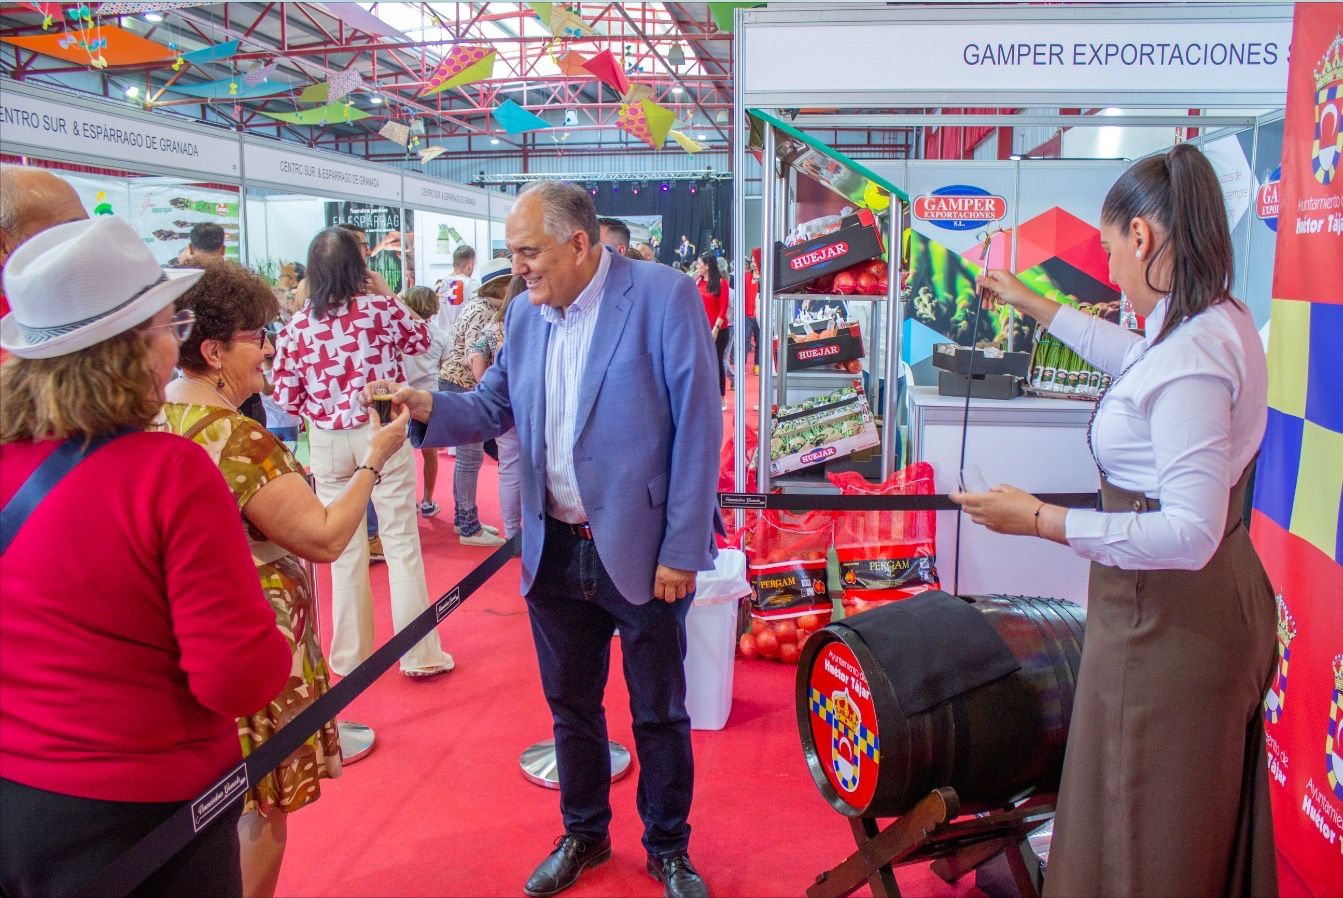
[816, 257]
[960, 207]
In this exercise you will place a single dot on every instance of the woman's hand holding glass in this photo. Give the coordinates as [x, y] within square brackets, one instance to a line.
[385, 439]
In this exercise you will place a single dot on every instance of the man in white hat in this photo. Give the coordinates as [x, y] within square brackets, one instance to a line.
[32, 200]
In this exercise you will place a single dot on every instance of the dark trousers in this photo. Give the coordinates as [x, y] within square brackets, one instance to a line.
[753, 339]
[720, 344]
[575, 609]
[53, 844]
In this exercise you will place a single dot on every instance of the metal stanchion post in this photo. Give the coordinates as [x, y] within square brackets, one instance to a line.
[539, 765]
[356, 739]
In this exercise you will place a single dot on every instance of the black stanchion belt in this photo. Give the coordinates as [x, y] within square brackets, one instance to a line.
[153, 851]
[832, 502]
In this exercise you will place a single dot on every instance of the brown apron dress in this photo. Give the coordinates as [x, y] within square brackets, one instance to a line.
[1165, 785]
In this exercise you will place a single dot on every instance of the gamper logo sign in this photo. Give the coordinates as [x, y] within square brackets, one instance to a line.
[960, 207]
[1266, 201]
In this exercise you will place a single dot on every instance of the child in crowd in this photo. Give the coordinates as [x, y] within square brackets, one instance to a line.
[422, 374]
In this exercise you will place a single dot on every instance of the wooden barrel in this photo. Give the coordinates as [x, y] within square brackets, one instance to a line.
[993, 744]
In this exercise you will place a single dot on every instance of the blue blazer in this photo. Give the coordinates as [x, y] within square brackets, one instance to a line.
[648, 433]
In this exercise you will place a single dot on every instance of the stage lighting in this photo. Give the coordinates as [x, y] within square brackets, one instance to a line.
[665, 187]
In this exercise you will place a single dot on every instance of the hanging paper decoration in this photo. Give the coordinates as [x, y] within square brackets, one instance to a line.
[463, 65]
[542, 11]
[686, 143]
[260, 73]
[722, 13]
[231, 88]
[515, 120]
[117, 45]
[566, 24]
[49, 11]
[214, 53]
[573, 64]
[316, 93]
[609, 72]
[136, 9]
[331, 114]
[429, 153]
[647, 121]
[81, 31]
[343, 83]
[638, 93]
[395, 132]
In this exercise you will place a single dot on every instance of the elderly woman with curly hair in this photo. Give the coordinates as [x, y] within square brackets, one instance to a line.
[222, 363]
[133, 631]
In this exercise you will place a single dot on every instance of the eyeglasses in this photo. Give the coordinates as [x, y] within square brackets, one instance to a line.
[182, 322]
[257, 336]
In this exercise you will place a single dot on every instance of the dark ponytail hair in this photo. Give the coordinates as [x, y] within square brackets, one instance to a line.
[715, 279]
[1179, 192]
[336, 271]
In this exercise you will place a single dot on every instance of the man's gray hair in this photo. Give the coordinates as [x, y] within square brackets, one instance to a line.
[566, 208]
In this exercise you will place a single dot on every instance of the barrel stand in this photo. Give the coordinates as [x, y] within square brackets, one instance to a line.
[928, 833]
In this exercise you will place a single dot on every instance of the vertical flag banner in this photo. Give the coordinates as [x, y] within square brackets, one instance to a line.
[1298, 506]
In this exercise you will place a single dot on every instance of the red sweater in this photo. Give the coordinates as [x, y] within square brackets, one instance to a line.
[715, 305]
[133, 630]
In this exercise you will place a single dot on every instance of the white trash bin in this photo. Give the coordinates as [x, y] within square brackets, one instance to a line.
[711, 640]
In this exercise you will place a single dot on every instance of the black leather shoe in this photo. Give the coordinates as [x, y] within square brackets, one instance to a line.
[678, 876]
[561, 868]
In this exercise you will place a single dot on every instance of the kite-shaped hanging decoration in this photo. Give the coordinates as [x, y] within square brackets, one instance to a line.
[605, 69]
[573, 64]
[542, 11]
[690, 146]
[637, 93]
[316, 93]
[260, 73]
[516, 120]
[646, 121]
[464, 65]
[331, 114]
[395, 132]
[214, 53]
[566, 24]
[342, 83]
[428, 153]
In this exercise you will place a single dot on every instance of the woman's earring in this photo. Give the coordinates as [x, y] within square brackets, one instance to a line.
[219, 381]
[1138, 255]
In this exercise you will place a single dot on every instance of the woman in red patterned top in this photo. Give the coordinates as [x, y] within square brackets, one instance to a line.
[342, 340]
[713, 290]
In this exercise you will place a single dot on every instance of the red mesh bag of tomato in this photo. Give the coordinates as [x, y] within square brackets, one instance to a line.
[790, 600]
[885, 556]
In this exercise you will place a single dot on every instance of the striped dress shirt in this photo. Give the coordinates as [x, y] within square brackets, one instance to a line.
[571, 333]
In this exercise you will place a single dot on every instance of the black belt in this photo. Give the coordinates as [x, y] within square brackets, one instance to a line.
[579, 531]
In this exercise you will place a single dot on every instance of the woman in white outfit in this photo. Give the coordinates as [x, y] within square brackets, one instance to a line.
[341, 340]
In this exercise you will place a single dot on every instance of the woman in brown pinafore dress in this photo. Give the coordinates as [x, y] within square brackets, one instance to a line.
[1165, 788]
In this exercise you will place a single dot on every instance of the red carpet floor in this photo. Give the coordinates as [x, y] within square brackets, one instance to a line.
[440, 807]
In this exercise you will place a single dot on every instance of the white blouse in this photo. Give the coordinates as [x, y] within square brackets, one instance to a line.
[1180, 423]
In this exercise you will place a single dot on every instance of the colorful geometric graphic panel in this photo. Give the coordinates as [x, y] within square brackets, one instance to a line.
[1324, 395]
[1288, 356]
[1279, 460]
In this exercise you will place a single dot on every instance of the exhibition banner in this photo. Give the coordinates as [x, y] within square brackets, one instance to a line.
[442, 196]
[57, 126]
[1298, 518]
[290, 167]
[1186, 56]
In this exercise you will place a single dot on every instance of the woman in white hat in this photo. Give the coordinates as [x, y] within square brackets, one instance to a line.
[133, 631]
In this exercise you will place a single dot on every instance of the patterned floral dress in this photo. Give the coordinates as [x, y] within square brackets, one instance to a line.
[250, 457]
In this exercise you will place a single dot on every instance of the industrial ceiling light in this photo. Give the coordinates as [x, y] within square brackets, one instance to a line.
[132, 92]
[676, 56]
[677, 90]
[375, 100]
[494, 141]
[153, 17]
[701, 137]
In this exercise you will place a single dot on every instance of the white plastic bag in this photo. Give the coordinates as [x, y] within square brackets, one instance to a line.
[726, 582]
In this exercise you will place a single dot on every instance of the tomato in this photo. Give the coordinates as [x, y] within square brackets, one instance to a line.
[802, 637]
[746, 645]
[758, 626]
[846, 283]
[810, 622]
[767, 644]
[878, 268]
[785, 630]
[788, 652]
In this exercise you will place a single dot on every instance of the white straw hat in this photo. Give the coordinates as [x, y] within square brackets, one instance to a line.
[78, 284]
[495, 269]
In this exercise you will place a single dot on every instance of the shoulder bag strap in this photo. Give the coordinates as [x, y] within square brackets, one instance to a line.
[43, 480]
[206, 420]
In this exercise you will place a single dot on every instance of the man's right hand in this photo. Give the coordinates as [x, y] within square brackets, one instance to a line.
[419, 402]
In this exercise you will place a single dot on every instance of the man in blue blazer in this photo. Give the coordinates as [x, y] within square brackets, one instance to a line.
[607, 371]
